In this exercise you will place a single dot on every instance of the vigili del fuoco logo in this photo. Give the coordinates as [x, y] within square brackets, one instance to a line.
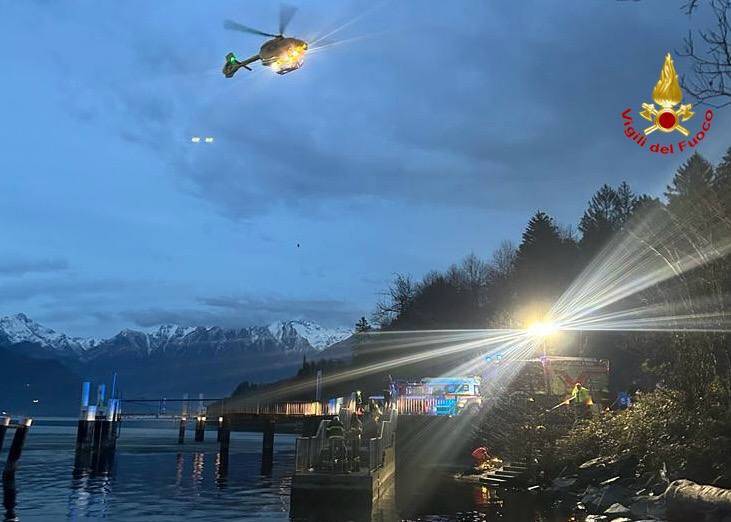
[667, 117]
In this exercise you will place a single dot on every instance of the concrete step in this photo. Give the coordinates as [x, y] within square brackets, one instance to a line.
[505, 474]
[514, 468]
[492, 480]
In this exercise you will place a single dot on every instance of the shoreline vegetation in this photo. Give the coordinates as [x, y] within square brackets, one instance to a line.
[679, 426]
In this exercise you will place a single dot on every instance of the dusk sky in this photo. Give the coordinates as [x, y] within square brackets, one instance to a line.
[435, 130]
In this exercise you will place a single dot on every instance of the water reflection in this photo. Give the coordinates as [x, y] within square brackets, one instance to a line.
[198, 461]
[179, 466]
[221, 469]
[153, 478]
[91, 484]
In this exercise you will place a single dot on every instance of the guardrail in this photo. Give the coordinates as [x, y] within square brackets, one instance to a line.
[377, 446]
[291, 408]
[309, 449]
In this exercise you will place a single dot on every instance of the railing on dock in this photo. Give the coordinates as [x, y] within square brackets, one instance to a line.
[386, 438]
[309, 449]
[290, 408]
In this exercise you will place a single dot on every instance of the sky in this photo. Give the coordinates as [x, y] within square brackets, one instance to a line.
[427, 131]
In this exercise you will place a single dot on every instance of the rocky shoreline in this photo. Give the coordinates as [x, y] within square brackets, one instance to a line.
[610, 489]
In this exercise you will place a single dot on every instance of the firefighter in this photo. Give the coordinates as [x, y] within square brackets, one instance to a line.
[481, 457]
[356, 431]
[335, 428]
[581, 398]
[335, 433]
[359, 402]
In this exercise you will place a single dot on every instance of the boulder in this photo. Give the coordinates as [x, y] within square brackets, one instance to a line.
[563, 483]
[687, 500]
[601, 498]
[648, 507]
[617, 509]
[604, 468]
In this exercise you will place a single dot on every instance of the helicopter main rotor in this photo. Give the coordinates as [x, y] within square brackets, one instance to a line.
[286, 13]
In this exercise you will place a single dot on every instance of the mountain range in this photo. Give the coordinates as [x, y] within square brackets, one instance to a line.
[168, 361]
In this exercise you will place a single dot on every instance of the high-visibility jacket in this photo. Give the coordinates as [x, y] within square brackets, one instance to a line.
[581, 395]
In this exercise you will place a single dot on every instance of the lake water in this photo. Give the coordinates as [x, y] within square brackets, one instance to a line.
[154, 479]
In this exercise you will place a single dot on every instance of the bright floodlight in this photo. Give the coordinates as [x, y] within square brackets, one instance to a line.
[195, 139]
[542, 329]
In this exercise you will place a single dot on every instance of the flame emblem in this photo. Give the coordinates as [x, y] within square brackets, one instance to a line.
[667, 94]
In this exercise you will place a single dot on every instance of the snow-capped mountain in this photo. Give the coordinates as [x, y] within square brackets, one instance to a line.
[171, 357]
[19, 328]
[291, 335]
[317, 336]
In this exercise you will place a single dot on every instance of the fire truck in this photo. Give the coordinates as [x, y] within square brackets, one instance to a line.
[440, 396]
[549, 376]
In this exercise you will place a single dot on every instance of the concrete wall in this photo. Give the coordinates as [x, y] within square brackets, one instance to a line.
[426, 446]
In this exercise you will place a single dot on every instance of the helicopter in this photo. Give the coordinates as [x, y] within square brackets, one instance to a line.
[282, 54]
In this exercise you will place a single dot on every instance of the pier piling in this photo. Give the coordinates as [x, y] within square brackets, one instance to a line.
[85, 429]
[224, 434]
[4, 423]
[200, 428]
[181, 431]
[98, 430]
[16, 448]
[267, 447]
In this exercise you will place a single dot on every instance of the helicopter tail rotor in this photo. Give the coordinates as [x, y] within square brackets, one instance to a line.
[233, 64]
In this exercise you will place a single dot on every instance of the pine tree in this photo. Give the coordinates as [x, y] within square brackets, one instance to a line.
[692, 199]
[362, 326]
[692, 181]
[626, 203]
[722, 182]
[545, 261]
[600, 220]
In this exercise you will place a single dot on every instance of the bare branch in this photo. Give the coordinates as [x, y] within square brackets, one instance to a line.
[710, 55]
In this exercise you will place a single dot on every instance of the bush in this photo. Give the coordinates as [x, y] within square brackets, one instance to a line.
[659, 429]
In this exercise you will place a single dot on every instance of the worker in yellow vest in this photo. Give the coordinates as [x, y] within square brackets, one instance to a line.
[581, 398]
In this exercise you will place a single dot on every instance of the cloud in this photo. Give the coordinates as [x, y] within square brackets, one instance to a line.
[19, 267]
[466, 119]
[237, 312]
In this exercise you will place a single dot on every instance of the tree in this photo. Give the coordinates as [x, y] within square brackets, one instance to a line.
[397, 300]
[600, 220]
[722, 183]
[692, 181]
[544, 262]
[503, 261]
[626, 203]
[710, 54]
[363, 326]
